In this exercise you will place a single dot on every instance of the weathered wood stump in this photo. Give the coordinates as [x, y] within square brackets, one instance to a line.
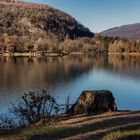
[94, 102]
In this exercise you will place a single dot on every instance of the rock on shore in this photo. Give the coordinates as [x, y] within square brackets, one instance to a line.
[94, 102]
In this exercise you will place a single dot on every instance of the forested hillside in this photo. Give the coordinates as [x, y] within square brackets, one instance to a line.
[32, 27]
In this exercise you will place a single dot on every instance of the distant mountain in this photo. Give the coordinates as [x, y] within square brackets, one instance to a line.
[131, 31]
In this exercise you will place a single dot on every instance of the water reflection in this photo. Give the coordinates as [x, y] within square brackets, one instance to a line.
[128, 66]
[70, 75]
[28, 73]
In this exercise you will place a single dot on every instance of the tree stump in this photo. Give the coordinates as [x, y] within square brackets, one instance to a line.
[94, 102]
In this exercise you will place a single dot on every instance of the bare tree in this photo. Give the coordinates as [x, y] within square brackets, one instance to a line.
[35, 105]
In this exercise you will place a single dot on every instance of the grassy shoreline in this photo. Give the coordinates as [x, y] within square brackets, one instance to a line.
[107, 126]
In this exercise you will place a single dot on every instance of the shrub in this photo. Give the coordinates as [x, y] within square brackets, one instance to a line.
[35, 105]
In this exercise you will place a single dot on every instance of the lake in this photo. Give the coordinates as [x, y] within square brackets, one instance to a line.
[69, 76]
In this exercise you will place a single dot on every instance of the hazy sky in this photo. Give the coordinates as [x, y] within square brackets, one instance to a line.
[99, 15]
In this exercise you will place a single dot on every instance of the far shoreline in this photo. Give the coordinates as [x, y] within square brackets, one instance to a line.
[36, 54]
[53, 54]
[125, 54]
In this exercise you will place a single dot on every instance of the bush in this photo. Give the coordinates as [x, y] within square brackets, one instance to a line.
[35, 105]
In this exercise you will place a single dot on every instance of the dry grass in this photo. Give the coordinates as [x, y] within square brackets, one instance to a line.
[108, 126]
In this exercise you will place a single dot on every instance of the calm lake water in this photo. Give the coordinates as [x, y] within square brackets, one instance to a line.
[69, 76]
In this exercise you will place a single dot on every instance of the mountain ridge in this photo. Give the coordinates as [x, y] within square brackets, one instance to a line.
[130, 31]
